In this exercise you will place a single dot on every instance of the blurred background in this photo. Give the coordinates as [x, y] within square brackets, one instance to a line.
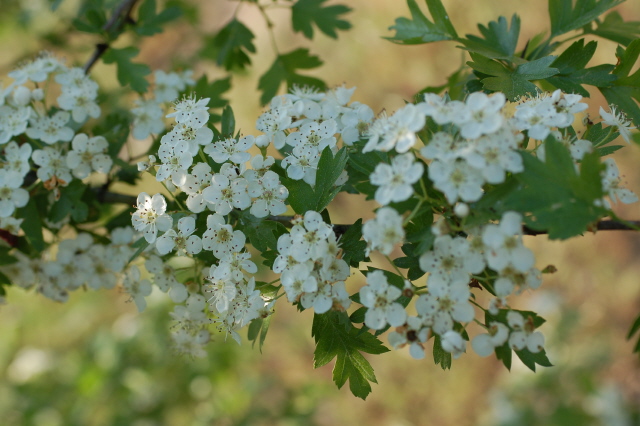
[96, 361]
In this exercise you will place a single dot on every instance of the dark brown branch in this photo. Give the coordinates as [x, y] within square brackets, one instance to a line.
[603, 225]
[114, 23]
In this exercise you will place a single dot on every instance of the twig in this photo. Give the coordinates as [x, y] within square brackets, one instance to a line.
[123, 10]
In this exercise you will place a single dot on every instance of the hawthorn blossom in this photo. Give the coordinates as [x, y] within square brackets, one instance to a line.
[619, 120]
[150, 216]
[380, 298]
[183, 240]
[395, 181]
[383, 232]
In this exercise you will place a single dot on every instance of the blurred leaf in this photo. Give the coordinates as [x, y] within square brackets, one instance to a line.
[5, 257]
[263, 234]
[231, 46]
[530, 359]
[352, 245]
[440, 356]
[213, 90]
[627, 87]
[129, 73]
[599, 136]
[32, 225]
[302, 197]
[91, 18]
[336, 337]
[572, 73]
[149, 22]
[284, 69]
[305, 13]
[514, 83]
[228, 124]
[498, 41]
[566, 16]
[420, 29]
[614, 28]
[553, 196]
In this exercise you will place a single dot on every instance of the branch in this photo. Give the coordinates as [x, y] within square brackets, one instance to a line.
[603, 225]
[123, 10]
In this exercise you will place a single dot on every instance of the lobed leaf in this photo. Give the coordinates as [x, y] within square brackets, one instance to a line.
[420, 29]
[129, 73]
[306, 13]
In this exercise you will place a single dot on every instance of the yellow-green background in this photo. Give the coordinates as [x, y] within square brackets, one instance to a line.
[96, 361]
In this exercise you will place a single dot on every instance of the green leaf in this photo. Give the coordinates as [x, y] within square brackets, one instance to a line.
[5, 257]
[231, 46]
[553, 196]
[302, 197]
[149, 22]
[572, 73]
[627, 87]
[614, 28]
[530, 359]
[504, 354]
[283, 70]
[513, 83]
[566, 16]
[228, 125]
[90, 19]
[352, 245]
[32, 225]
[336, 337]
[69, 203]
[263, 234]
[420, 29]
[213, 90]
[440, 356]
[305, 13]
[330, 168]
[635, 327]
[129, 73]
[140, 246]
[498, 41]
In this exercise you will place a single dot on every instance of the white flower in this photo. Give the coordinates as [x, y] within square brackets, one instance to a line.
[457, 180]
[320, 299]
[523, 334]
[138, 289]
[87, 155]
[395, 181]
[11, 195]
[17, 158]
[191, 112]
[503, 243]
[273, 123]
[231, 149]
[484, 115]
[397, 131]
[383, 232]
[453, 343]
[269, 194]
[13, 121]
[310, 242]
[164, 277]
[484, 344]
[220, 238]
[182, 240]
[611, 183]
[147, 118]
[618, 119]
[53, 166]
[195, 183]
[150, 216]
[380, 298]
[176, 160]
[227, 191]
[51, 129]
[444, 307]
[167, 85]
[302, 163]
[414, 333]
[223, 292]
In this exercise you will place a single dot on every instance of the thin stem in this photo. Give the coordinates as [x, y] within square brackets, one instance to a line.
[395, 267]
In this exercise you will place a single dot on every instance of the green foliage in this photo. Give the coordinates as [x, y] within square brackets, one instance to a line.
[283, 70]
[69, 203]
[129, 73]
[632, 331]
[569, 15]
[513, 82]
[149, 22]
[336, 337]
[302, 197]
[352, 245]
[614, 28]
[306, 13]
[32, 225]
[572, 73]
[627, 86]
[231, 46]
[498, 41]
[420, 29]
[554, 197]
[440, 356]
